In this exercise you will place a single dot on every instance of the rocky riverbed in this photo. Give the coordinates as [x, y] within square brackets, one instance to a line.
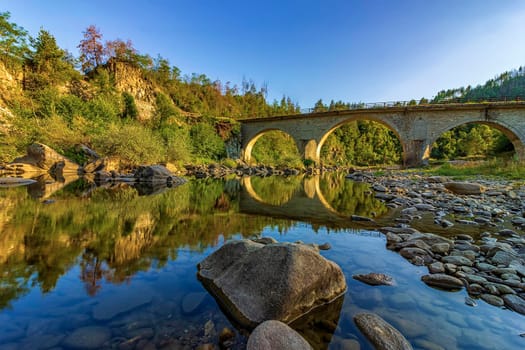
[481, 226]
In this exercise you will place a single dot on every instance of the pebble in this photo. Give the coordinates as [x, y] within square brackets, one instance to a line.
[470, 302]
[442, 280]
[492, 299]
[457, 260]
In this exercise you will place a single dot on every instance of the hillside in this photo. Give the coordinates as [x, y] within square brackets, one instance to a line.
[139, 109]
[507, 85]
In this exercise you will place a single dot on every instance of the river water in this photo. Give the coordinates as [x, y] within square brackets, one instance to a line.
[115, 266]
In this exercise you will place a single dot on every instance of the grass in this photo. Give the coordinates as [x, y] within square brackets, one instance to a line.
[501, 168]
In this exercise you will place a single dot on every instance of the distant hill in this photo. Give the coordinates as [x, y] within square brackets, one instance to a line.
[507, 85]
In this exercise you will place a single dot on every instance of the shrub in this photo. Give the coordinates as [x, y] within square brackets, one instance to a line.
[206, 143]
[131, 142]
[177, 141]
[130, 108]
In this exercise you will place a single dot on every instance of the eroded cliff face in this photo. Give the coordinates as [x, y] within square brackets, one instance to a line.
[10, 86]
[130, 79]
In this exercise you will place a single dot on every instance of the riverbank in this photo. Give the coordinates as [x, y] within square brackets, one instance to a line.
[487, 258]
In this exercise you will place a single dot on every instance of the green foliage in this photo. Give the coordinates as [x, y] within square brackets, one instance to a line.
[206, 143]
[177, 142]
[164, 110]
[278, 149]
[496, 167]
[48, 63]
[308, 162]
[507, 85]
[104, 109]
[102, 81]
[130, 108]
[13, 41]
[131, 142]
[470, 140]
[361, 143]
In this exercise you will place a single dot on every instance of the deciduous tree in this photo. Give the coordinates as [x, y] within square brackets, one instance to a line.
[91, 49]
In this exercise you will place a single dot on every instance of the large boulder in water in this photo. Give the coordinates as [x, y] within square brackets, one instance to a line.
[156, 173]
[281, 281]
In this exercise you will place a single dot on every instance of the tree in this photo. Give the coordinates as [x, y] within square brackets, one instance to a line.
[206, 143]
[130, 108]
[13, 39]
[320, 106]
[48, 62]
[120, 50]
[164, 109]
[91, 49]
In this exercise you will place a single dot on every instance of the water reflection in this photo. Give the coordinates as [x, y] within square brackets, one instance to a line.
[116, 232]
[86, 247]
[328, 200]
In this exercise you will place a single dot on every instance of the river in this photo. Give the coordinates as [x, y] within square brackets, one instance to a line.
[115, 266]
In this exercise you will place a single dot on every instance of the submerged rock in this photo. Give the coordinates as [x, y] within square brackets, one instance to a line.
[192, 301]
[92, 337]
[375, 279]
[380, 333]
[273, 335]
[256, 282]
[113, 305]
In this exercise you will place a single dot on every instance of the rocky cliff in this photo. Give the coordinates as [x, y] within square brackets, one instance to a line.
[131, 79]
[10, 86]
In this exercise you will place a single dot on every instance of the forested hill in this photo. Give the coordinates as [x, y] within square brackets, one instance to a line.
[507, 85]
[141, 109]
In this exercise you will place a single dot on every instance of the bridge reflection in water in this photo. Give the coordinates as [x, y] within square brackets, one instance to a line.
[325, 200]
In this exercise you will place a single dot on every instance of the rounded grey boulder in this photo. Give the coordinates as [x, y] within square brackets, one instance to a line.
[282, 281]
[275, 335]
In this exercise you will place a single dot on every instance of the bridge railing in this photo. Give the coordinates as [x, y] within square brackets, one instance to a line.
[520, 98]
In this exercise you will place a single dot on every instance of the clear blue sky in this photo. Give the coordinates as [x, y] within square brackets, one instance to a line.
[350, 50]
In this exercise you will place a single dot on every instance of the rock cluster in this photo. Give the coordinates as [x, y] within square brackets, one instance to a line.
[40, 159]
[490, 265]
[219, 170]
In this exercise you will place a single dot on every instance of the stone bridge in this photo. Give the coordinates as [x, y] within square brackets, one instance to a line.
[417, 127]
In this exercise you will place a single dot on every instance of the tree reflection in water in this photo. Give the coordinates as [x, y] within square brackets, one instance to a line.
[112, 232]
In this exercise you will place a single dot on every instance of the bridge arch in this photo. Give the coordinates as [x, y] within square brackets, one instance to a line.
[508, 130]
[381, 121]
[248, 149]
